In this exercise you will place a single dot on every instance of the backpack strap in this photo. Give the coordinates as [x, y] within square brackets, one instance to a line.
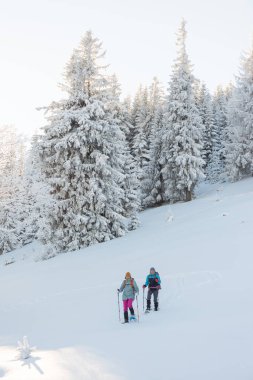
[131, 283]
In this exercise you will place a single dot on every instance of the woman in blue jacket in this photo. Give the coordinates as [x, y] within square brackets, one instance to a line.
[153, 282]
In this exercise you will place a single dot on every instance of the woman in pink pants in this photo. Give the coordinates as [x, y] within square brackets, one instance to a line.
[129, 289]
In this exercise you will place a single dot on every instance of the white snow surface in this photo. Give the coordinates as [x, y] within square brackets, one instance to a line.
[67, 306]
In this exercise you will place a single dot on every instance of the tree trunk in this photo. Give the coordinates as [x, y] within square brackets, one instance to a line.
[188, 195]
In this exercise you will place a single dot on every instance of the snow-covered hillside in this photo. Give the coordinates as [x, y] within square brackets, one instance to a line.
[67, 306]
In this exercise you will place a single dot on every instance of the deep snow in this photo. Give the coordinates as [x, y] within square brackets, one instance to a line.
[67, 306]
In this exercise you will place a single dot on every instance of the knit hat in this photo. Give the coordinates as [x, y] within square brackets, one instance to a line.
[128, 275]
[152, 268]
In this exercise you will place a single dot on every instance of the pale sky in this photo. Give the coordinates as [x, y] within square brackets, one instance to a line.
[38, 36]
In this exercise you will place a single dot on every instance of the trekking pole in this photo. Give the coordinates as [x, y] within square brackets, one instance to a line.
[143, 299]
[119, 307]
[137, 308]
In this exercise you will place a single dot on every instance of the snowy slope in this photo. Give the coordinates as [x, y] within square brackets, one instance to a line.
[67, 306]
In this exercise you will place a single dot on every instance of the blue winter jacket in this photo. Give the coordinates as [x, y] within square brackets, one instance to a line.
[153, 280]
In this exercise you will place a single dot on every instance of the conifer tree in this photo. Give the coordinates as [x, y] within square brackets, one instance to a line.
[153, 181]
[207, 118]
[82, 155]
[216, 166]
[239, 162]
[183, 130]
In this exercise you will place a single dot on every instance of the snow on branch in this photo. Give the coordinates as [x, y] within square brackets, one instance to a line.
[24, 349]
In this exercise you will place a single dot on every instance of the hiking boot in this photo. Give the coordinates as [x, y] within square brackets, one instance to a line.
[148, 304]
[131, 310]
[126, 316]
[156, 306]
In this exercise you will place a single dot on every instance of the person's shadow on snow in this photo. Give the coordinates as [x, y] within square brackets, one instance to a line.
[31, 362]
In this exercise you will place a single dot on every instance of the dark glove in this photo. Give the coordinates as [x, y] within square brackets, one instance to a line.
[144, 286]
[118, 290]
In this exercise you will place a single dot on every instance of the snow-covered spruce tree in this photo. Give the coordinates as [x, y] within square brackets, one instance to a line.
[37, 187]
[82, 156]
[239, 158]
[206, 113]
[141, 124]
[16, 225]
[141, 142]
[182, 131]
[215, 169]
[17, 220]
[8, 179]
[153, 181]
[9, 161]
[21, 213]
[130, 183]
[127, 106]
[8, 237]
[134, 112]
[147, 111]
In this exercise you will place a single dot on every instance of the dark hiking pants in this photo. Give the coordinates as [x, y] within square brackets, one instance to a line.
[154, 292]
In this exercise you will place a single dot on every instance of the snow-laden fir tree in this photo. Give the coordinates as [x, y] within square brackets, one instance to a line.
[16, 217]
[127, 106]
[83, 154]
[22, 213]
[216, 165]
[10, 162]
[204, 103]
[153, 181]
[183, 130]
[18, 222]
[142, 131]
[147, 118]
[8, 237]
[8, 180]
[239, 158]
[38, 188]
[130, 182]
[134, 112]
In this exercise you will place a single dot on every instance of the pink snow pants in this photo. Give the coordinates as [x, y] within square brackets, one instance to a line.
[127, 304]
